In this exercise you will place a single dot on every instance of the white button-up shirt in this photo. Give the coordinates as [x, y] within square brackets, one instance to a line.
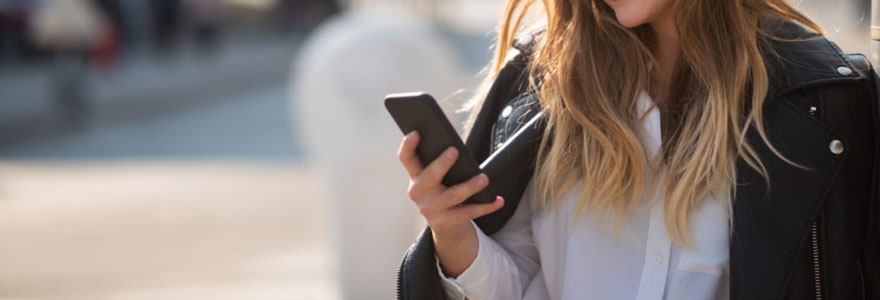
[538, 255]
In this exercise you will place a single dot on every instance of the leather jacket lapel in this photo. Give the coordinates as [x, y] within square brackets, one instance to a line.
[771, 225]
[510, 167]
[503, 90]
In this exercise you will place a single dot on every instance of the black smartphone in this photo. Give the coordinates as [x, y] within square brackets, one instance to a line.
[419, 111]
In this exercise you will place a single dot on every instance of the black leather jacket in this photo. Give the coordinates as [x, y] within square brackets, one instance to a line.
[812, 235]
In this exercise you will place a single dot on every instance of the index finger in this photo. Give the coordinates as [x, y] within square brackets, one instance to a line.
[407, 154]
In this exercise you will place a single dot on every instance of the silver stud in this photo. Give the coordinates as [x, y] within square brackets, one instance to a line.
[844, 71]
[836, 147]
[813, 110]
[506, 112]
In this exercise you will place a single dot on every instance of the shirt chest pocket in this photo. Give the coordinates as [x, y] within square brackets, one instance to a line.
[710, 237]
[512, 117]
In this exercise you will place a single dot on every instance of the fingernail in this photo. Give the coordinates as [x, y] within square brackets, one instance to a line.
[481, 180]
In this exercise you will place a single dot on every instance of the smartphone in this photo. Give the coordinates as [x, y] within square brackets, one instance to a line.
[419, 111]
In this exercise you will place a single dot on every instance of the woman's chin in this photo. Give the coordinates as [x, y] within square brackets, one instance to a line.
[630, 21]
[631, 15]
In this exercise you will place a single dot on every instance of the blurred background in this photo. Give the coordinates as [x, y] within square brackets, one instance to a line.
[229, 149]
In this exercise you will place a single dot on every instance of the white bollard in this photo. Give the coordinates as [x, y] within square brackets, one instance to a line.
[340, 79]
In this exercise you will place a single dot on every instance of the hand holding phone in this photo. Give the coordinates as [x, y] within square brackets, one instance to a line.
[432, 152]
[420, 112]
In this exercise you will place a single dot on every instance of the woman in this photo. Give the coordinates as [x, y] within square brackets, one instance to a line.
[693, 149]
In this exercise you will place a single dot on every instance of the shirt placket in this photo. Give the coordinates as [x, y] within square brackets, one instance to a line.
[656, 265]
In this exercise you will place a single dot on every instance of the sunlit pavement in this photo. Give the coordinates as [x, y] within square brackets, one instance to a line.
[162, 230]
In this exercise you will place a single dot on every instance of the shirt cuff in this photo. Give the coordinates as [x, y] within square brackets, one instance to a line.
[452, 289]
[475, 278]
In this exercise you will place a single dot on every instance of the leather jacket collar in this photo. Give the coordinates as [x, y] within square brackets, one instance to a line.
[806, 60]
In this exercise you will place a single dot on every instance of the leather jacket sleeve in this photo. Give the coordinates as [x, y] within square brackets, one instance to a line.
[509, 167]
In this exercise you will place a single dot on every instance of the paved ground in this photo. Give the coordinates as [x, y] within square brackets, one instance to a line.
[162, 230]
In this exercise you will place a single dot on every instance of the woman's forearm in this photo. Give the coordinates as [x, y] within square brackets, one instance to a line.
[456, 249]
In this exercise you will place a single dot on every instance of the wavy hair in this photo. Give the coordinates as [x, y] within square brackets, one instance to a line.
[591, 71]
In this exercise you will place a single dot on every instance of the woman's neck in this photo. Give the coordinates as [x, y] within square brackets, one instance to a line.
[666, 55]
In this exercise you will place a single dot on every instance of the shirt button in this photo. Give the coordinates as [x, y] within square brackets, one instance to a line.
[658, 259]
[844, 71]
[506, 112]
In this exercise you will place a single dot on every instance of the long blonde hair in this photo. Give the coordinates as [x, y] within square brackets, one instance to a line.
[592, 69]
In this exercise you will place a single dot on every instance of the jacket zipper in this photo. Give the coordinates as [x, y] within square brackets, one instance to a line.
[399, 284]
[814, 232]
[816, 267]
